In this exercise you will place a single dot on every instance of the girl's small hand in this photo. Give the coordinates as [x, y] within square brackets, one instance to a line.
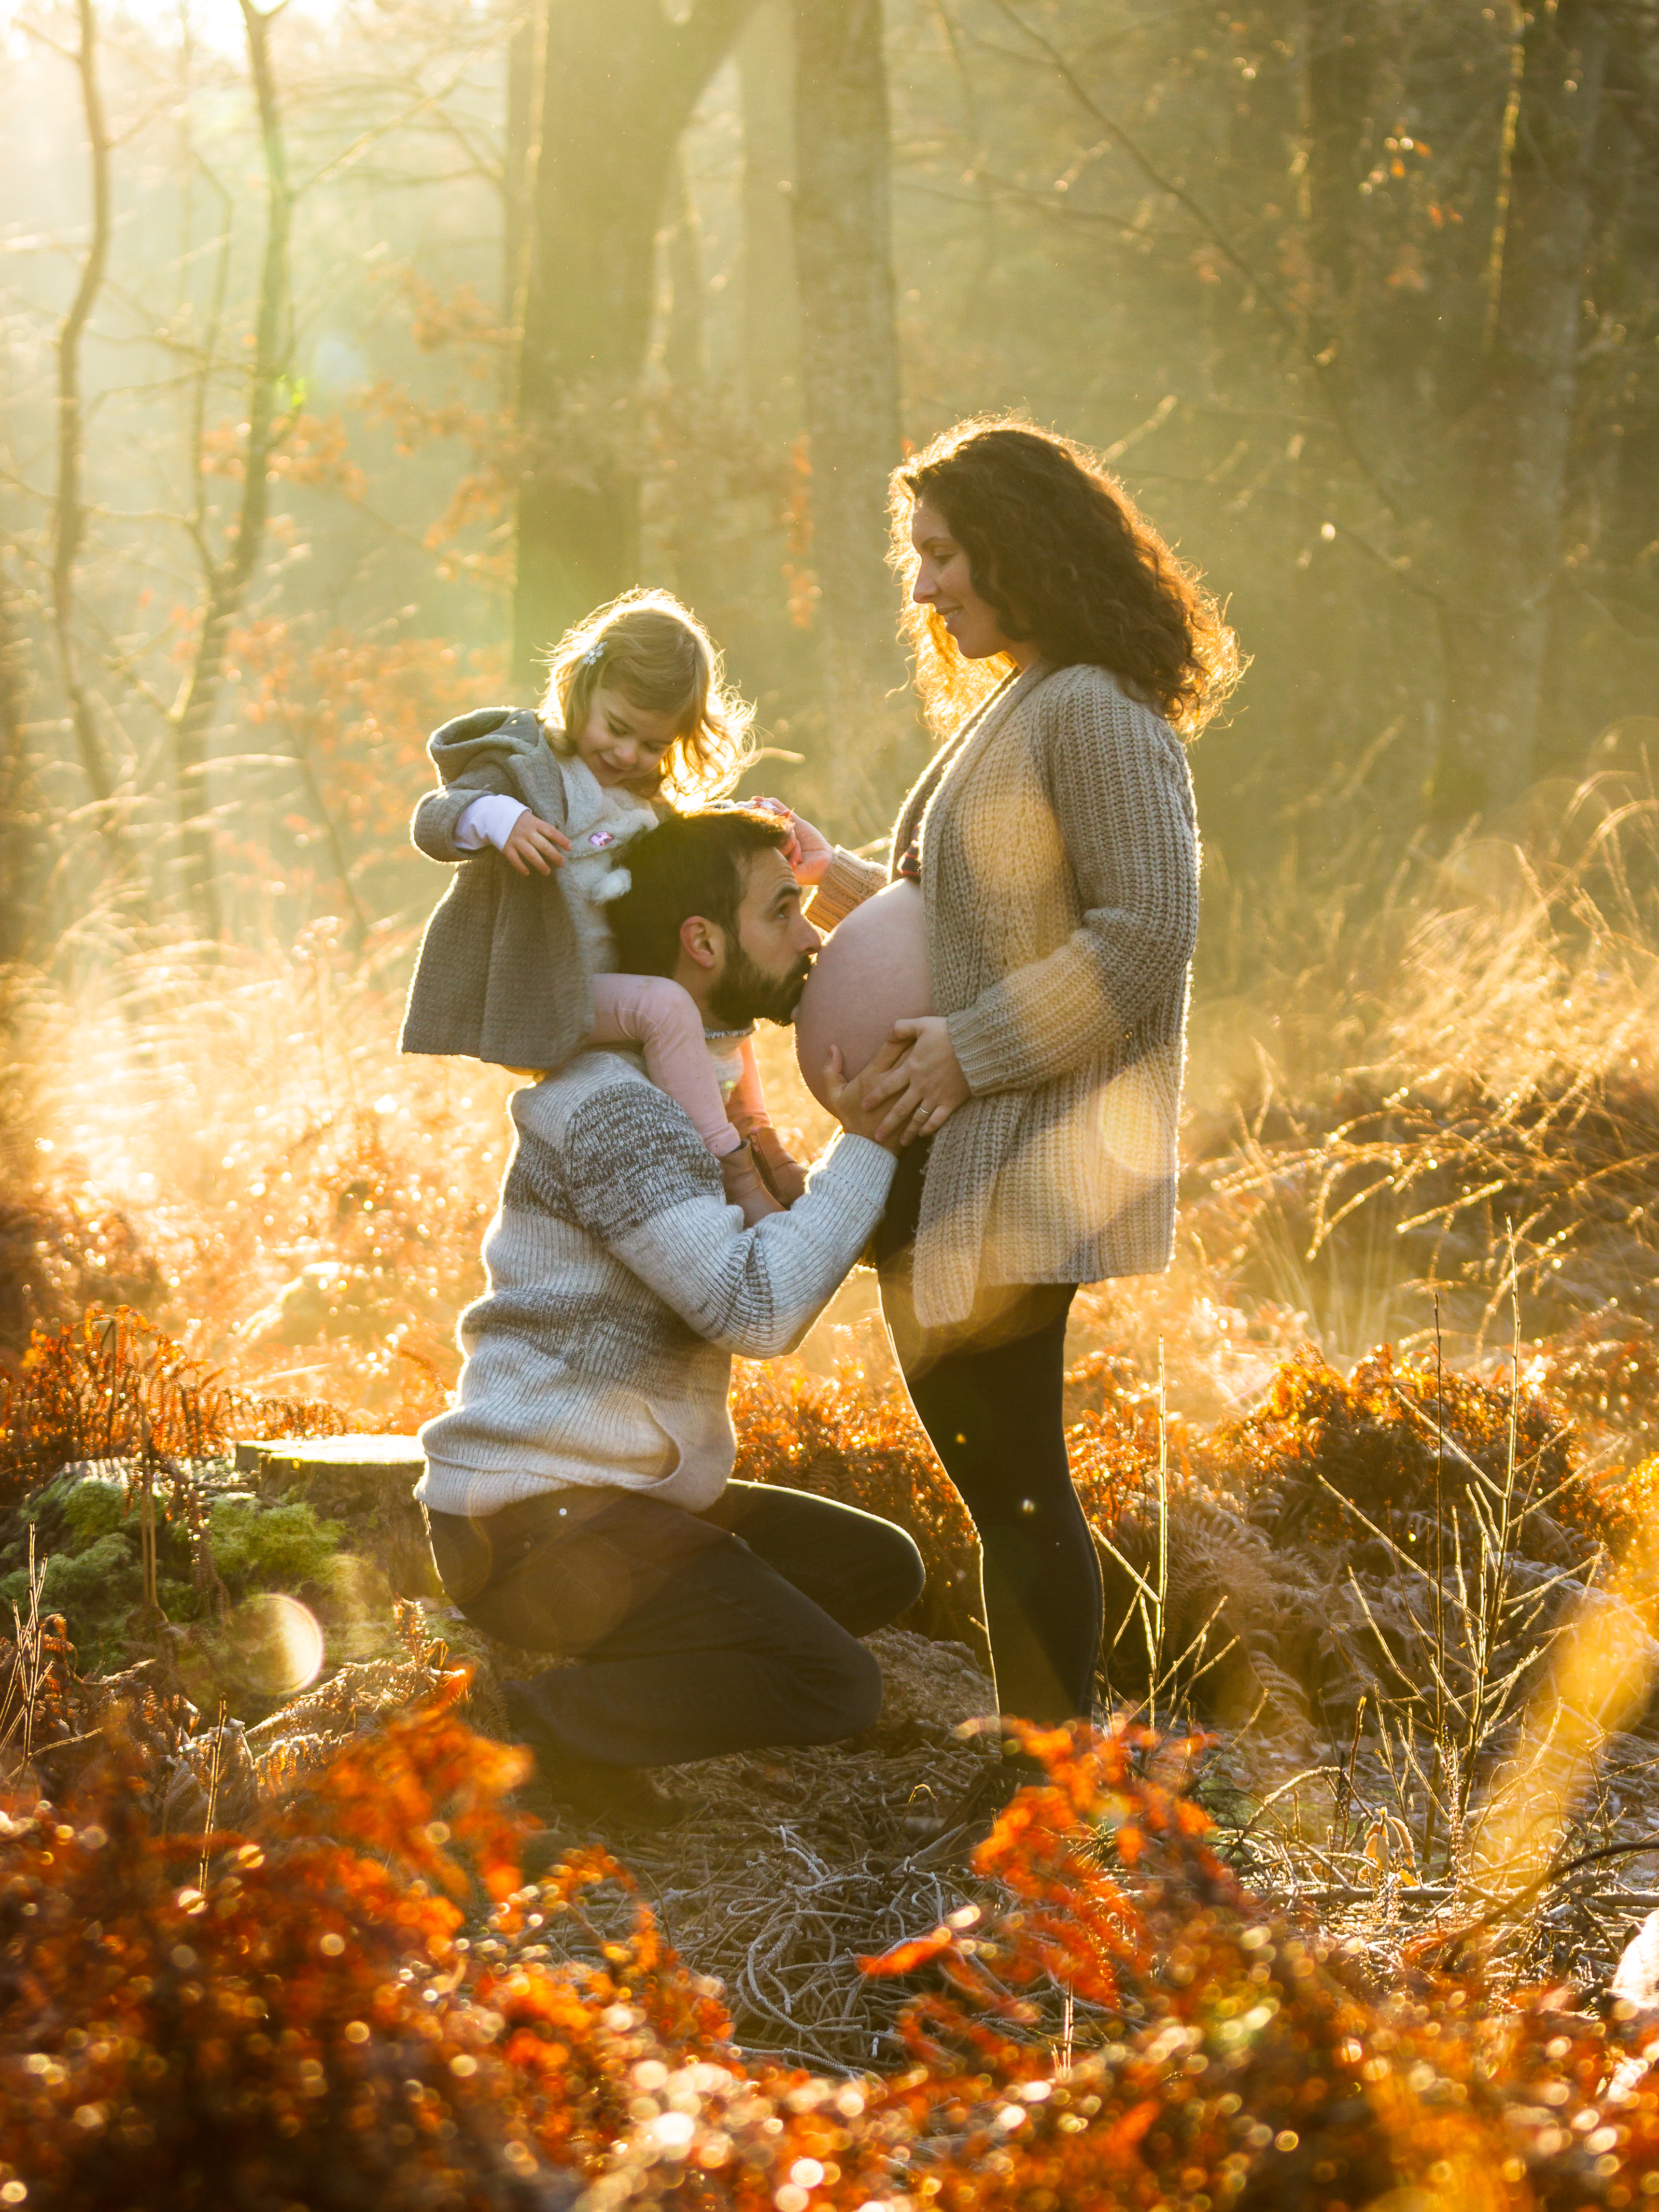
[791, 850]
[809, 852]
[813, 851]
[533, 844]
[927, 1086]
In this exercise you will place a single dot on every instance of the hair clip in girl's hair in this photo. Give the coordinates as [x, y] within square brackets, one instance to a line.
[594, 654]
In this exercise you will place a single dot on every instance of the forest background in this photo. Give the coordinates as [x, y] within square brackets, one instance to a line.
[348, 355]
[321, 327]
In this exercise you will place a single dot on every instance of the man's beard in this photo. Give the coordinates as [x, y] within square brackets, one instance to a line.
[747, 994]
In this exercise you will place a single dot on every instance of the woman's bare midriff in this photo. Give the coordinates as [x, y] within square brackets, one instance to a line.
[872, 972]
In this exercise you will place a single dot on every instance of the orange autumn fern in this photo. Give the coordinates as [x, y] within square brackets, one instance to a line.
[112, 1386]
[311, 2029]
[339, 2017]
[1224, 2058]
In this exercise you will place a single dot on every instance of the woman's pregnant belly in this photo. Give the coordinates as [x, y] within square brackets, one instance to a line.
[871, 973]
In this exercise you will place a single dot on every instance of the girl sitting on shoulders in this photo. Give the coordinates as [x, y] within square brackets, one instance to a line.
[515, 966]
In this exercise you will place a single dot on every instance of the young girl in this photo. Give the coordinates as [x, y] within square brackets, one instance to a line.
[637, 719]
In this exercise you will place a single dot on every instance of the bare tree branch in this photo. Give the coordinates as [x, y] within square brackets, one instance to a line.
[1223, 243]
[69, 520]
[19, 827]
[230, 574]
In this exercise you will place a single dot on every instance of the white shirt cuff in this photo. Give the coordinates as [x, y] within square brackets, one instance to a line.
[488, 820]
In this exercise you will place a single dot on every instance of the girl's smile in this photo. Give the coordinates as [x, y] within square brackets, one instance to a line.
[623, 745]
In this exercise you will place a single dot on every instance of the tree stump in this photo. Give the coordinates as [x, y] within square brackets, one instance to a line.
[368, 1483]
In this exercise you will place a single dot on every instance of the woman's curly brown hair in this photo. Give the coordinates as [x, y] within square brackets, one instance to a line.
[1057, 546]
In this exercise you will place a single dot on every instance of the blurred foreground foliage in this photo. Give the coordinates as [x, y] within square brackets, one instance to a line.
[1412, 1596]
[356, 1998]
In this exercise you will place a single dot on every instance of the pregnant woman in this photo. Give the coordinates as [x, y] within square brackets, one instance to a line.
[1032, 938]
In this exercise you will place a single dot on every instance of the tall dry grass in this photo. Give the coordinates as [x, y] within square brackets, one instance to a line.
[239, 1152]
[1439, 1103]
[1391, 1099]
[1420, 1105]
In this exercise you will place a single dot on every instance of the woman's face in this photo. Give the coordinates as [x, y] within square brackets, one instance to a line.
[624, 744]
[945, 583]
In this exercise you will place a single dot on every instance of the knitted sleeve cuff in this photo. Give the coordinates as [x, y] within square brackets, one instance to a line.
[436, 819]
[847, 882]
[863, 1170]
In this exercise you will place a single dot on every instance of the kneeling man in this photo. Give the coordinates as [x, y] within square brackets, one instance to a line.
[577, 1493]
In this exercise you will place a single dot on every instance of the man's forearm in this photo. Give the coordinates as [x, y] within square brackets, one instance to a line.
[757, 1291]
[632, 1171]
[846, 1193]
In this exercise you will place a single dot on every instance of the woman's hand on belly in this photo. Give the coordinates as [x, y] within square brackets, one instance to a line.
[927, 1085]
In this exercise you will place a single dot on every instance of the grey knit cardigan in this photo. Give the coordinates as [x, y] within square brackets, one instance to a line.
[500, 974]
[1059, 851]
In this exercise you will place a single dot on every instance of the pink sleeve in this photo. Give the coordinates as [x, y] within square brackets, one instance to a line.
[654, 1012]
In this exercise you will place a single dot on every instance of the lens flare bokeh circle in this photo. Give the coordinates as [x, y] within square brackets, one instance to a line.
[278, 1643]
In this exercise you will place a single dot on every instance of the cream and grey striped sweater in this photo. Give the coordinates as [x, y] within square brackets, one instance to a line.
[620, 1284]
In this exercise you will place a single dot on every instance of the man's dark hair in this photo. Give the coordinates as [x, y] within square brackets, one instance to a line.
[689, 864]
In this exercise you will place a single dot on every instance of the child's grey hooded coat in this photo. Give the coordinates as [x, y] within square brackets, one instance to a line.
[500, 974]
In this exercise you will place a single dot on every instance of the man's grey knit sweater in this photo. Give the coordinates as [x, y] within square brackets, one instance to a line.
[620, 1284]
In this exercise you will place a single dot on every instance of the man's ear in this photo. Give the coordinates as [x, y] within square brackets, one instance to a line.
[704, 940]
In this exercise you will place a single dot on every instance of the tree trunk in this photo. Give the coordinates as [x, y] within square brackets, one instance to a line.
[771, 321]
[1497, 629]
[518, 168]
[1341, 61]
[685, 338]
[850, 378]
[229, 576]
[367, 1482]
[621, 82]
[1338, 707]
[20, 823]
[1630, 527]
[688, 491]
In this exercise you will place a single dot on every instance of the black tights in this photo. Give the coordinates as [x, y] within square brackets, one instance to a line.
[991, 1402]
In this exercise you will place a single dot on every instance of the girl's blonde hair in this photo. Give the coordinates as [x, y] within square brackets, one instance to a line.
[655, 652]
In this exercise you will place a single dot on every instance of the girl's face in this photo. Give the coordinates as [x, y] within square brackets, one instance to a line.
[945, 582]
[624, 745]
